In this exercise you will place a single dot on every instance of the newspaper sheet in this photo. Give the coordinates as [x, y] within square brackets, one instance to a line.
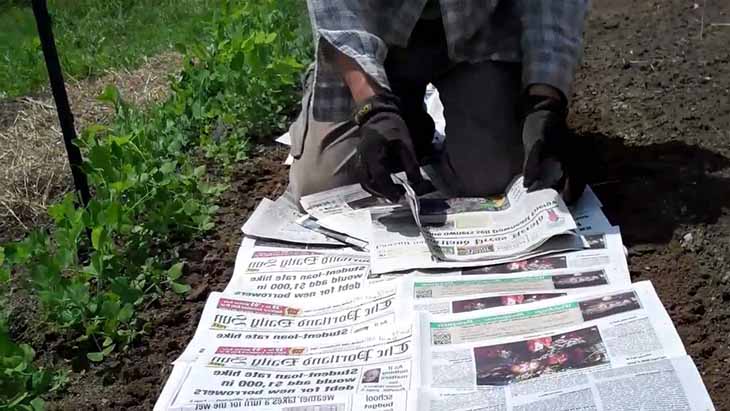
[605, 253]
[393, 251]
[229, 321]
[672, 384]
[478, 229]
[345, 209]
[591, 221]
[458, 294]
[376, 376]
[520, 354]
[276, 220]
[630, 324]
[298, 276]
[284, 139]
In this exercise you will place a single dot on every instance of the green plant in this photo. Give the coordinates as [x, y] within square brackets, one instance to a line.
[21, 383]
[96, 267]
[148, 195]
[243, 82]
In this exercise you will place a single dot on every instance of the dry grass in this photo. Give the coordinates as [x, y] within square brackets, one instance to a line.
[33, 165]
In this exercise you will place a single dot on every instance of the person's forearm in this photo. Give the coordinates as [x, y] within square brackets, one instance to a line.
[360, 84]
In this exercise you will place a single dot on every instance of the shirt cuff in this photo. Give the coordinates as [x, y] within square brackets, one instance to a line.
[547, 68]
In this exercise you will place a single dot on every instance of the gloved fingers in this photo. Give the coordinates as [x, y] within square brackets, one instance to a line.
[576, 178]
[407, 158]
[408, 161]
[381, 184]
[531, 169]
[574, 188]
[374, 174]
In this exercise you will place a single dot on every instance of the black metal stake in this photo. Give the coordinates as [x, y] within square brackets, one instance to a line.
[65, 116]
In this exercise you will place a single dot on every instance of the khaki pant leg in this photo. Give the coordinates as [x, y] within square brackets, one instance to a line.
[323, 153]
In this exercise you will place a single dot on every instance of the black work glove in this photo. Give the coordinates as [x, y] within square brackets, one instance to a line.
[552, 155]
[386, 147]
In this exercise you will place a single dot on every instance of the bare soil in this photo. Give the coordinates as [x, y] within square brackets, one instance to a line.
[652, 98]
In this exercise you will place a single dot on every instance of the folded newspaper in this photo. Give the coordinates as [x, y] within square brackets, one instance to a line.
[462, 232]
[511, 303]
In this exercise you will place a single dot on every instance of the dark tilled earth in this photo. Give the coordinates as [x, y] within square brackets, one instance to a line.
[652, 97]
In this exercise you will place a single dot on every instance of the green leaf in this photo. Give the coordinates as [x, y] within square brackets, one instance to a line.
[126, 313]
[181, 48]
[190, 207]
[179, 288]
[38, 404]
[238, 61]
[95, 356]
[110, 95]
[175, 271]
[110, 309]
[107, 342]
[108, 350]
[4, 272]
[197, 173]
[96, 234]
[168, 167]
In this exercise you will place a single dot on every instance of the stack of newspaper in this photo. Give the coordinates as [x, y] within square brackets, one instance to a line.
[437, 304]
[508, 303]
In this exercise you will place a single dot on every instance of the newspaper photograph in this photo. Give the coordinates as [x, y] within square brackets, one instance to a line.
[377, 376]
[276, 220]
[228, 321]
[456, 294]
[672, 384]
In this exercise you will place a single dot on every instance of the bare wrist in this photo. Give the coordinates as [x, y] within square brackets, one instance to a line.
[361, 86]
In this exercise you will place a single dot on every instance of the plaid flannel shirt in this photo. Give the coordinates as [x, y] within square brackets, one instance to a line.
[545, 35]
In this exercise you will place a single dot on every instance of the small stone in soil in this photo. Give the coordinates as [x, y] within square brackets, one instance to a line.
[686, 240]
